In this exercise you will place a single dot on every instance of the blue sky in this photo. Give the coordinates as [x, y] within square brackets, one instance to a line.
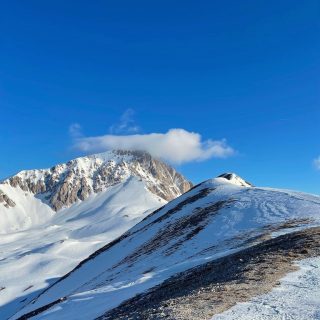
[244, 71]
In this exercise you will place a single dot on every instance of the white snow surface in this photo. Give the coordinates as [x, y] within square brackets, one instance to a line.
[32, 259]
[297, 298]
[116, 274]
[29, 211]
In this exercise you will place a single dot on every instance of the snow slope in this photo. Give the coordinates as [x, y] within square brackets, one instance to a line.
[39, 245]
[38, 256]
[28, 211]
[298, 297]
[214, 219]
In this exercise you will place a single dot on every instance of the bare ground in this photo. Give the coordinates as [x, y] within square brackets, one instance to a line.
[201, 292]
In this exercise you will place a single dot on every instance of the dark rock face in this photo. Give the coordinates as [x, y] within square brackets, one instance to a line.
[17, 182]
[214, 287]
[6, 201]
[64, 184]
[233, 177]
[182, 230]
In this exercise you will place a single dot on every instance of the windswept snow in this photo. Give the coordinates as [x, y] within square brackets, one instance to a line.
[51, 219]
[31, 260]
[27, 212]
[216, 218]
[297, 297]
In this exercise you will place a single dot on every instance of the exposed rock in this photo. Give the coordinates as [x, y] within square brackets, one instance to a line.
[5, 200]
[235, 179]
[203, 291]
[65, 184]
[84, 190]
[36, 187]
[17, 182]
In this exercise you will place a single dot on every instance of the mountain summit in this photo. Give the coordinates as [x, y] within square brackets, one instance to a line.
[235, 179]
[51, 219]
[65, 184]
[220, 243]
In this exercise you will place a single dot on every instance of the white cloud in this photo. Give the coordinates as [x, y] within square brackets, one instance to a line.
[176, 146]
[75, 130]
[316, 163]
[126, 124]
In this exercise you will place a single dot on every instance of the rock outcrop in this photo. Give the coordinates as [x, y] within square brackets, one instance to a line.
[5, 200]
[65, 184]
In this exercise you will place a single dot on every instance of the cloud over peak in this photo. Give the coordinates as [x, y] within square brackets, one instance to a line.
[175, 146]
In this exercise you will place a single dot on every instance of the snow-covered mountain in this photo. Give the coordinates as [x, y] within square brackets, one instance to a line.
[32, 196]
[222, 242]
[52, 219]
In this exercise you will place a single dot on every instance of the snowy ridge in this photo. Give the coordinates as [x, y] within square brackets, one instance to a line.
[213, 220]
[235, 179]
[40, 255]
[39, 245]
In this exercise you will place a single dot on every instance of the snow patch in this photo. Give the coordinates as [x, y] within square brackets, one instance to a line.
[297, 297]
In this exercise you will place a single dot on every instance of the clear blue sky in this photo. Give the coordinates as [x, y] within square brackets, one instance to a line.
[247, 71]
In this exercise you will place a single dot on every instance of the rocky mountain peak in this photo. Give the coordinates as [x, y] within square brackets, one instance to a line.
[64, 184]
[235, 179]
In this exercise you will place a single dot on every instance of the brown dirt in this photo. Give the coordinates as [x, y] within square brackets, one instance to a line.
[201, 292]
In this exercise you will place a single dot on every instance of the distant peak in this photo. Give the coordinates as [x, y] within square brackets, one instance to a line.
[235, 179]
[67, 183]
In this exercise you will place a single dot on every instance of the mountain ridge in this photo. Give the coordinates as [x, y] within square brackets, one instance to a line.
[39, 244]
[215, 219]
[64, 184]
